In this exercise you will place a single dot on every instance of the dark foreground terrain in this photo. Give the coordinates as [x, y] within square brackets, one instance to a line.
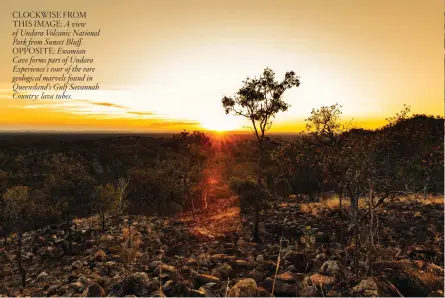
[306, 250]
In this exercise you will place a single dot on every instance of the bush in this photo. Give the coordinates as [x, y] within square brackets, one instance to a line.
[247, 189]
[283, 189]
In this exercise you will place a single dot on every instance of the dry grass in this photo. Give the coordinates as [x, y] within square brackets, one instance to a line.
[131, 243]
[428, 200]
[327, 204]
[334, 204]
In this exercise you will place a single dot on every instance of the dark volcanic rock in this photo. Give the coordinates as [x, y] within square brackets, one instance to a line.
[409, 278]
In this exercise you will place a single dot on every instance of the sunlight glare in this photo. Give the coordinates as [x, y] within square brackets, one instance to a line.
[221, 123]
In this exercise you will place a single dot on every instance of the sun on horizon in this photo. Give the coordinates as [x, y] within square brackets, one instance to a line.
[221, 123]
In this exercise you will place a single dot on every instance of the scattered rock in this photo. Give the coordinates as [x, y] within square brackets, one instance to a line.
[99, 255]
[309, 291]
[137, 284]
[223, 271]
[204, 260]
[77, 287]
[244, 288]
[115, 249]
[77, 264]
[409, 278]
[43, 276]
[94, 290]
[157, 294]
[301, 261]
[290, 277]
[242, 243]
[374, 287]
[202, 279]
[241, 263]
[202, 234]
[324, 281]
[84, 280]
[331, 268]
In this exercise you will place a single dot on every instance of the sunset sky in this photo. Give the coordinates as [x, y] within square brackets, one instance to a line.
[165, 65]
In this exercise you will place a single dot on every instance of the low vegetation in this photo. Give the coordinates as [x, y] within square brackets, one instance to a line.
[334, 210]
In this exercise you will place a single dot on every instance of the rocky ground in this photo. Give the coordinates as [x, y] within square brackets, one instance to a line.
[301, 254]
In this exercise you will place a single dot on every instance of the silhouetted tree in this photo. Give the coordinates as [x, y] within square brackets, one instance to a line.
[194, 149]
[19, 210]
[259, 100]
[324, 124]
[69, 189]
[105, 201]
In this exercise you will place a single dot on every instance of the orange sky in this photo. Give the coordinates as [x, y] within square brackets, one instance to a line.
[165, 65]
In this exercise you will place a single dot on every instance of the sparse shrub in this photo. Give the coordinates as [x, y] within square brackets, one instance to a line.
[106, 200]
[234, 183]
[131, 242]
[247, 190]
[18, 209]
[308, 239]
[283, 189]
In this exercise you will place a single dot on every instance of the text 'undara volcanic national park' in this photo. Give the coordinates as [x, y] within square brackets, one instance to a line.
[50, 58]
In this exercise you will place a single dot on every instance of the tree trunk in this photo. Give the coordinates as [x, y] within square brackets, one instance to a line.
[256, 231]
[434, 187]
[6, 240]
[339, 201]
[187, 195]
[354, 206]
[193, 208]
[371, 224]
[341, 191]
[204, 197]
[70, 238]
[102, 221]
[19, 257]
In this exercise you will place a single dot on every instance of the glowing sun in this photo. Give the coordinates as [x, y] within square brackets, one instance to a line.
[226, 123]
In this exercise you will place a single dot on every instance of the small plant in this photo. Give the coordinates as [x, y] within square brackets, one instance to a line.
[131, 243]
[308, 239]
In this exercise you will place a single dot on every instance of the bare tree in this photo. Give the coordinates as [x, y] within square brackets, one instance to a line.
[259, 100]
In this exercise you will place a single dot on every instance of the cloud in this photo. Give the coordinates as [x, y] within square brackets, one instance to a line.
[141, 113]
[103, 104]
[168, 123]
